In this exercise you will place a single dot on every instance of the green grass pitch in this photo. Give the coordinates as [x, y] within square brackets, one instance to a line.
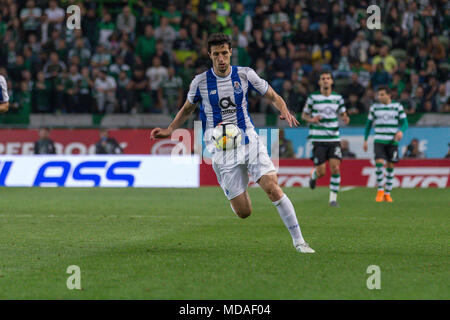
[188, 244]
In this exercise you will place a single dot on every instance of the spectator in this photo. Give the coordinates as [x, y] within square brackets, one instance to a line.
[105, 87]
[447, 156]
[182, 47]
[436, 49]
[122, 94]
[346, 153]
[55, 15]
[30, 16]
[416, 101]
[41, 94]
[106, 27]
[44, 145]
[138, 87]
[107, 145]
[172, 92]
[343, 65]
[354, 106]
[157, 73]
[441, 98]
[388, 61]
[166, 33]
[102, 58]
[379, 77]
[277, 18]
[412, 151]
[85, 85]
[354, 87]
[173, 15]
[126, 22]
[146, 44]
[285, 146]
[118, 66]
[148, 17]
[359, 47]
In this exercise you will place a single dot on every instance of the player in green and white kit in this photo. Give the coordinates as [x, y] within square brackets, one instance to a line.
[387, 115]
[322, 110]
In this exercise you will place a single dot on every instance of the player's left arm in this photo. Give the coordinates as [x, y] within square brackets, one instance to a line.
[4, 99]
[279, 103]
[403, 122]
[343, 112]
[4, 107]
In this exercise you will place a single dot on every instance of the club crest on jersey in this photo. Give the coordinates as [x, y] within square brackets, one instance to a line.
[237, 87]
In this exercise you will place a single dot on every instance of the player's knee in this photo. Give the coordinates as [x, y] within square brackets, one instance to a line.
[320, 172]
[244, 212]
[274, 192]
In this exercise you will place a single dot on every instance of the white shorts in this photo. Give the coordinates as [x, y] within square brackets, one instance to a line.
[232, 167]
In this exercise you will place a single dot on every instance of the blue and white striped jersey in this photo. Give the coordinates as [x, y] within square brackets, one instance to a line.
[226, 98]
[3, 90]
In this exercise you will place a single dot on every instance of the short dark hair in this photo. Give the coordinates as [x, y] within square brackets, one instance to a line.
[384, 88]
[218, 39]
[325, 72]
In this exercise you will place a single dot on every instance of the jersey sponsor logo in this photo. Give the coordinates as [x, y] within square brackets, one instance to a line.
[237, 87]
[226, 102]
[387, 117]
[329, 111]
[213, 92]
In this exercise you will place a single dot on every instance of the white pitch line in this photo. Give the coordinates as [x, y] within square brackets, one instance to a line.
[346, 189]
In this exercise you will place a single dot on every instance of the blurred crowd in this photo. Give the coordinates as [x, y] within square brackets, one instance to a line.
[139, 56]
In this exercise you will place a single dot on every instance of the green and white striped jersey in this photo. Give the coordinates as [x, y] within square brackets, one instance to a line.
[328, 107]
[386, 118]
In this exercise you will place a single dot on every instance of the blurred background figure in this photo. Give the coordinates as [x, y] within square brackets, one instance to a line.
[107, 145]
[285, 146]
[412, 151]
[346, 153]
[44, 145]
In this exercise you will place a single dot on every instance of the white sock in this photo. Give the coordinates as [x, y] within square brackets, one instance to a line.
[333, 196]
[287, 214]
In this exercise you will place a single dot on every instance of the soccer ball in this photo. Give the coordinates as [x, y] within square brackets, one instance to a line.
[226, 136]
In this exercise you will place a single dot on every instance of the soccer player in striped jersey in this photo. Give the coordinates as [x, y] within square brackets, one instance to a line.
[222, 93]
[321, 111]
[4, 99]
[387, 115]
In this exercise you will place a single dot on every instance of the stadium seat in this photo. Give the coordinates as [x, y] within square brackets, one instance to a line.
[398, 54]
[387, 41]
[444, 66]
[341, 84]
[444, 40]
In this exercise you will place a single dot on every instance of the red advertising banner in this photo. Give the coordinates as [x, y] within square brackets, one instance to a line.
[408, 173]
[82, 141]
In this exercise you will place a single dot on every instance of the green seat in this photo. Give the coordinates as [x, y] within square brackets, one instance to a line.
[387, 41]
[443, 40]
[398, 54]
[444, 66]
[341, 84]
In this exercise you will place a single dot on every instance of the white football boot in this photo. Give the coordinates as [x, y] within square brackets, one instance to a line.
[304, 248]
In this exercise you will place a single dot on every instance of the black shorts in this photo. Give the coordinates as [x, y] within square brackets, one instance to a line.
[386, 151]
[323, 151]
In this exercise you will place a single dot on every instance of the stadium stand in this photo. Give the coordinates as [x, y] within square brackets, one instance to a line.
[134, 57]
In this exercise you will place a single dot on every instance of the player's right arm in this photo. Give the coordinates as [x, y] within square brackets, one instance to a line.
[193, 97]
[368, 127]
[307, 110]
[4, 103]
[181, 117]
